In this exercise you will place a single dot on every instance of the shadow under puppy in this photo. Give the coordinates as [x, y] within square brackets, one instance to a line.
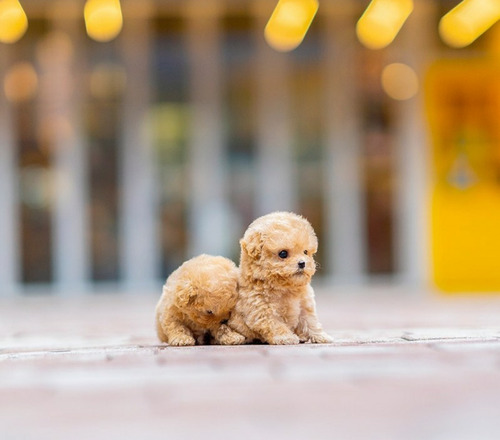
[197, 301]
[276, 301]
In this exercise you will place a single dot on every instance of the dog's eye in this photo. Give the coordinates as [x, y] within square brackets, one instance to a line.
[283, 254]
[305, 252]
[209, 312]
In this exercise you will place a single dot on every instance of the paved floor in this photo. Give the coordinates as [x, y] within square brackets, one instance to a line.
[403, 366]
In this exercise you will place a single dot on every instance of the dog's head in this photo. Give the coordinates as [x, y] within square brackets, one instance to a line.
[208, 289]
[280, 248]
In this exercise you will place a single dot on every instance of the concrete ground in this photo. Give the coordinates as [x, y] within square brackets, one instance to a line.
[404, 365]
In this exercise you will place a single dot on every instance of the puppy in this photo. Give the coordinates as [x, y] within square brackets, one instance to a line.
[276, 301]
[197, 301]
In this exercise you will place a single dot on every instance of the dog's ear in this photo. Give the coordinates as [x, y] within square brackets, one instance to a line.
[186, 296]
[252, 245]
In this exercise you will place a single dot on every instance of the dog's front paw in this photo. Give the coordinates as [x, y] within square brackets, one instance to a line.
[320, 338]
[225, 335]
[286, 339]
[303, 338]
[232, 338]
[181, 340]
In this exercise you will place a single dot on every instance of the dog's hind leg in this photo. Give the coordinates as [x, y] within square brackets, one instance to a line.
[269, 327]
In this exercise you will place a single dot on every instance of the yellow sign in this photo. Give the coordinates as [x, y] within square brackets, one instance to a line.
[463, 108]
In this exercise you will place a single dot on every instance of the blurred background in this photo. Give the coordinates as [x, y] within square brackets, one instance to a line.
[137, 134]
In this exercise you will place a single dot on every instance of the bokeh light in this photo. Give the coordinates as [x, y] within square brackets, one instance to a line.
[13, 21]
[21, 82]
[468, 21]
[400, 81]
[289, 23]
[103, 19]
[381, 22]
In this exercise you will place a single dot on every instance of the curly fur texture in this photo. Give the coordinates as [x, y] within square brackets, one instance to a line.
[197, 301]
[276, 301]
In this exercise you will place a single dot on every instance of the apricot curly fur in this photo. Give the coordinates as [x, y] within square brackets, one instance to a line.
[197, 300]
[276, 301]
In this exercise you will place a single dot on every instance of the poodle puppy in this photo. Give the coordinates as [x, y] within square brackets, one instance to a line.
[197, 301]
[276, 301]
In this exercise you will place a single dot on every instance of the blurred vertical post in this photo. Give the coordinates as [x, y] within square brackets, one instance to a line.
[413, 47]
[209, 228]
[139, 242]
[275, 183]
[60, 126]
[346, 238]
[9, 218]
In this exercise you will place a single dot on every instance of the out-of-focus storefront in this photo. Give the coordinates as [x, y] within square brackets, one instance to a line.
[464, 111]
[121, 159]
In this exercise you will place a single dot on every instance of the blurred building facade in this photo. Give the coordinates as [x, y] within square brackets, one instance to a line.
[120, 160]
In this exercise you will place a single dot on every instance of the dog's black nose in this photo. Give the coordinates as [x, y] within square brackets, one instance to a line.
[302, 264]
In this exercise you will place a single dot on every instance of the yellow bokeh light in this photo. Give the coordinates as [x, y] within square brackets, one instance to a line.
[400, 81]
[13, 21]
[381, 22]
[289, 23]
[20, 82]
[103, 19]
[467, 21]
